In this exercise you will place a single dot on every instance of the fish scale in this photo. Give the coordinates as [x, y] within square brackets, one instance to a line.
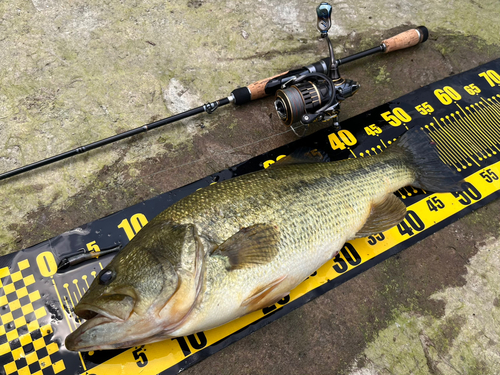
[244, 243]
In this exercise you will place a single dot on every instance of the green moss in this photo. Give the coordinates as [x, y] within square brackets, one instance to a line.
[382, 76]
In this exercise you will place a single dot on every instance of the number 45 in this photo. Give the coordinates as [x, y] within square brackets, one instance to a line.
[424, 108]
[435, 204]
[373, 130]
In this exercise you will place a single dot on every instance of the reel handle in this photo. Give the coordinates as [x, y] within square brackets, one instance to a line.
[406, 39]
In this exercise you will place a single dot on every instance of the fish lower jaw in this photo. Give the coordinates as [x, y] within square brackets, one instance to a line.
[74, 341]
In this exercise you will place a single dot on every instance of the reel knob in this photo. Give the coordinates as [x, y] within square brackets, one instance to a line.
[324, 13]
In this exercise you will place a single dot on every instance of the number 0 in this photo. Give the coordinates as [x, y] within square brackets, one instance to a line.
[46, 263]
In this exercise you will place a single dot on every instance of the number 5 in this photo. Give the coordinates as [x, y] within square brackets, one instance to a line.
[140, 356]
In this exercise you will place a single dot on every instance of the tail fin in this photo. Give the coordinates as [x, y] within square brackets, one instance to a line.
[423, 158]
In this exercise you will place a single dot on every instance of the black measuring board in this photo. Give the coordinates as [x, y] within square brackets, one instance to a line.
[460, 113]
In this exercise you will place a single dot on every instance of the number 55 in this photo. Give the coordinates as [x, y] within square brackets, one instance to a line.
[424, 108]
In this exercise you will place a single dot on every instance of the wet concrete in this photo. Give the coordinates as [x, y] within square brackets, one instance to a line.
[72, 74]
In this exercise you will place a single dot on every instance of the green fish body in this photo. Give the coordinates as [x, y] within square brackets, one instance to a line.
[243, 244]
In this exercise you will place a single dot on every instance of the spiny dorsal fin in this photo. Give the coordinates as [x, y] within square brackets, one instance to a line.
[251, 246]
[384, 215]
[302, 155]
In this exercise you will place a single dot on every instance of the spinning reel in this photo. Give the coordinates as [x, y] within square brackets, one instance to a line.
[315, 96]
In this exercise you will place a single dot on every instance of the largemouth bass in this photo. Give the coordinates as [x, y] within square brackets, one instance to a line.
[243, 244]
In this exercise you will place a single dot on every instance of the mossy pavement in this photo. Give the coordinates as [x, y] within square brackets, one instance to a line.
[75, 72]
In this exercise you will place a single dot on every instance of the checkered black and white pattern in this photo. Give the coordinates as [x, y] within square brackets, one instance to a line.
[25, 337]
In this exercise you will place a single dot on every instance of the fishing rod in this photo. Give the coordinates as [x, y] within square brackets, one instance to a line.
[306, 95]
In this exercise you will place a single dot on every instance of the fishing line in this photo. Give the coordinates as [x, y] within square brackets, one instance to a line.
[207, 158]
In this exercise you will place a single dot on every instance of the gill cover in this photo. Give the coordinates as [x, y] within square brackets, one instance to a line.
[125, 301]
[141, 273]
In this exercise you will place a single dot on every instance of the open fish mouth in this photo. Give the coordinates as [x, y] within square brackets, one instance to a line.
[88, 312]
[84, 337]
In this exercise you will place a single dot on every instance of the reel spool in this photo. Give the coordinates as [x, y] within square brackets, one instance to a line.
[293, 102]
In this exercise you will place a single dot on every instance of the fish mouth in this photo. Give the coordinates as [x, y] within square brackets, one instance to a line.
[86, 336]
[89, 312]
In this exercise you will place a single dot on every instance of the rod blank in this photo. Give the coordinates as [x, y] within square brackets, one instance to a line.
[114, 138]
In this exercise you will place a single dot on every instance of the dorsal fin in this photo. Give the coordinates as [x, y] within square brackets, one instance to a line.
[251, 246]
[383, 216]
[302, 155]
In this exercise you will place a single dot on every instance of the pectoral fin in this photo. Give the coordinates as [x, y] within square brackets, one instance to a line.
[383, 216]
[251, 246]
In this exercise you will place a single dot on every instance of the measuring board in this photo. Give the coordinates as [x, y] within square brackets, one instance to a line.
[461, 114]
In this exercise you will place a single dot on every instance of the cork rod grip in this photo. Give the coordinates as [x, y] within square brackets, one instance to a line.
[258, 89]
[406, 39]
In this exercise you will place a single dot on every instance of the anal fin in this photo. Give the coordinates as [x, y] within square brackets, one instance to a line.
[383, 216]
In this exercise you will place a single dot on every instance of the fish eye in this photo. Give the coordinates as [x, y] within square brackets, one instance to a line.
[106, 276]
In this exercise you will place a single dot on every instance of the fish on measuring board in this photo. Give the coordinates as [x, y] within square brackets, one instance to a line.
[242, 244]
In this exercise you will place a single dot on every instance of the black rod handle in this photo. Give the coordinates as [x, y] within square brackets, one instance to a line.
[359, 55]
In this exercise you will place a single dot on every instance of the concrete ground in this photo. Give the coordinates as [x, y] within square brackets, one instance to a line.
[75, 72]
